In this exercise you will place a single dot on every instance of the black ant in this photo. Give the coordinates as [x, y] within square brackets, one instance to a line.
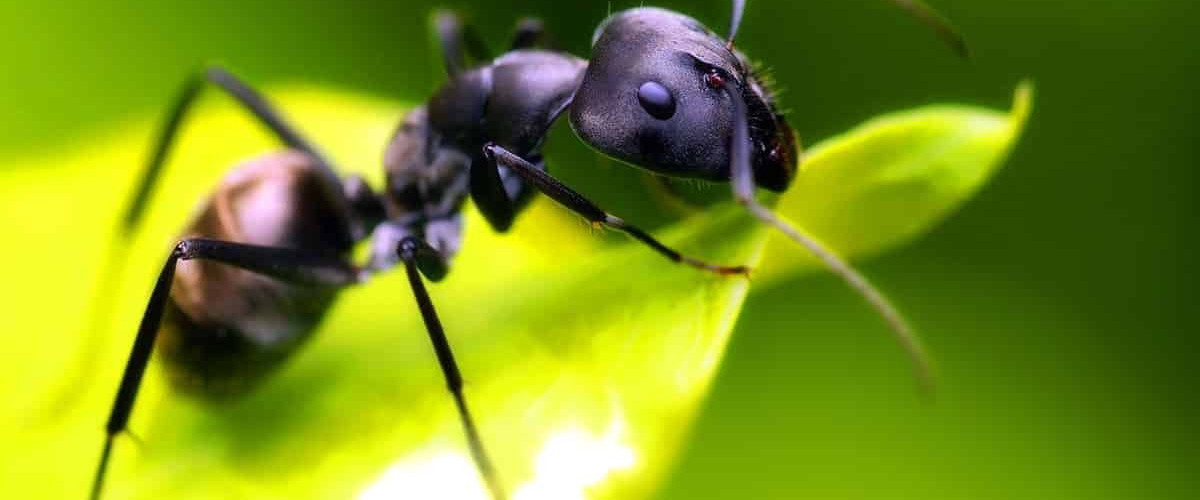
[272, 245]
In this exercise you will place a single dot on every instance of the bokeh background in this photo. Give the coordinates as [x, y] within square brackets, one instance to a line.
[1058, 302]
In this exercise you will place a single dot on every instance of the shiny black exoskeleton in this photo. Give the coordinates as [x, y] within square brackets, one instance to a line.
[656, 95]
[268, 253]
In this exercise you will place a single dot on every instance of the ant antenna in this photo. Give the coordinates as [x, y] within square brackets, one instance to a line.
[743, 186]
[739, 6]
[938, 23]
[920, 10]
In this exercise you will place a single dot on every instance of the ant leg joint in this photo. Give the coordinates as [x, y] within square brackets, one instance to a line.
[745, 199]
[184, 249]
[613, 221]
[489, 150]
[407, 249]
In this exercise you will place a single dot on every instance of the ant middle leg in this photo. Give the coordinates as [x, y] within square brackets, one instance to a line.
[567, 197]
[421, 259]
[289, 265]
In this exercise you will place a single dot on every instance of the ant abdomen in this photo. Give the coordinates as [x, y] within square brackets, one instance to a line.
[225, 328]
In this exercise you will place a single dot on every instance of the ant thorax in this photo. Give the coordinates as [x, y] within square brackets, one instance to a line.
[427, 185]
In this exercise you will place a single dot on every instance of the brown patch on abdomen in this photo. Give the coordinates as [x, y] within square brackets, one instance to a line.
[225, 328]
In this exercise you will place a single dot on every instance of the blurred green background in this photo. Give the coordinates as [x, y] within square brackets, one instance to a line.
[1057, 302]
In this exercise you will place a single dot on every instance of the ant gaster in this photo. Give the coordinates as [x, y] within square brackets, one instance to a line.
[270, 249]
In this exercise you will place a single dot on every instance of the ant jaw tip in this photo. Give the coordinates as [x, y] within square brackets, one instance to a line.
[729, 270]
[736, 271]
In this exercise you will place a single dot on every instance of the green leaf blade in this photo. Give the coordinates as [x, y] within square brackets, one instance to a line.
[585, 363]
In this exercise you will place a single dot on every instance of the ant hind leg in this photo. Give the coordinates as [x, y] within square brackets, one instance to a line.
[285, 264]
[253, 102]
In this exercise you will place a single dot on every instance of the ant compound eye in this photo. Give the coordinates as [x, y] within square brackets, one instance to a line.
[656, 100]
[714, 79]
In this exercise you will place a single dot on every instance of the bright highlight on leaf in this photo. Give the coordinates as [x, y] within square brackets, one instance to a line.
[585, 362]
[572, 461]
[568, 464]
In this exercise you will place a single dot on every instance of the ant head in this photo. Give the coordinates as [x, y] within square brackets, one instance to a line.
[658, 93]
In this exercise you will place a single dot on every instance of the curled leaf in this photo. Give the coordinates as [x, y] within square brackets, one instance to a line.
[893, 178]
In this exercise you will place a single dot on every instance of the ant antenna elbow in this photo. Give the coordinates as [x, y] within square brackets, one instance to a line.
[938, 23]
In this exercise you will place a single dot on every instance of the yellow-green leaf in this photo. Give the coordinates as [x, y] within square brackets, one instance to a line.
[585, 362]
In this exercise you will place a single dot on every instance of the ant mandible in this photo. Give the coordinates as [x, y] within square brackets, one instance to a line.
[272, 244]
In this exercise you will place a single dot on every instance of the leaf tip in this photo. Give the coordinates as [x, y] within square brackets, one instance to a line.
[1022, 103]
[1018, 117]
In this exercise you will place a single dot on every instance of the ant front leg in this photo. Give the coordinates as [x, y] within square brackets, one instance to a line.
[574, 201]
[500, 195]
[421, 259]
[284, 264]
